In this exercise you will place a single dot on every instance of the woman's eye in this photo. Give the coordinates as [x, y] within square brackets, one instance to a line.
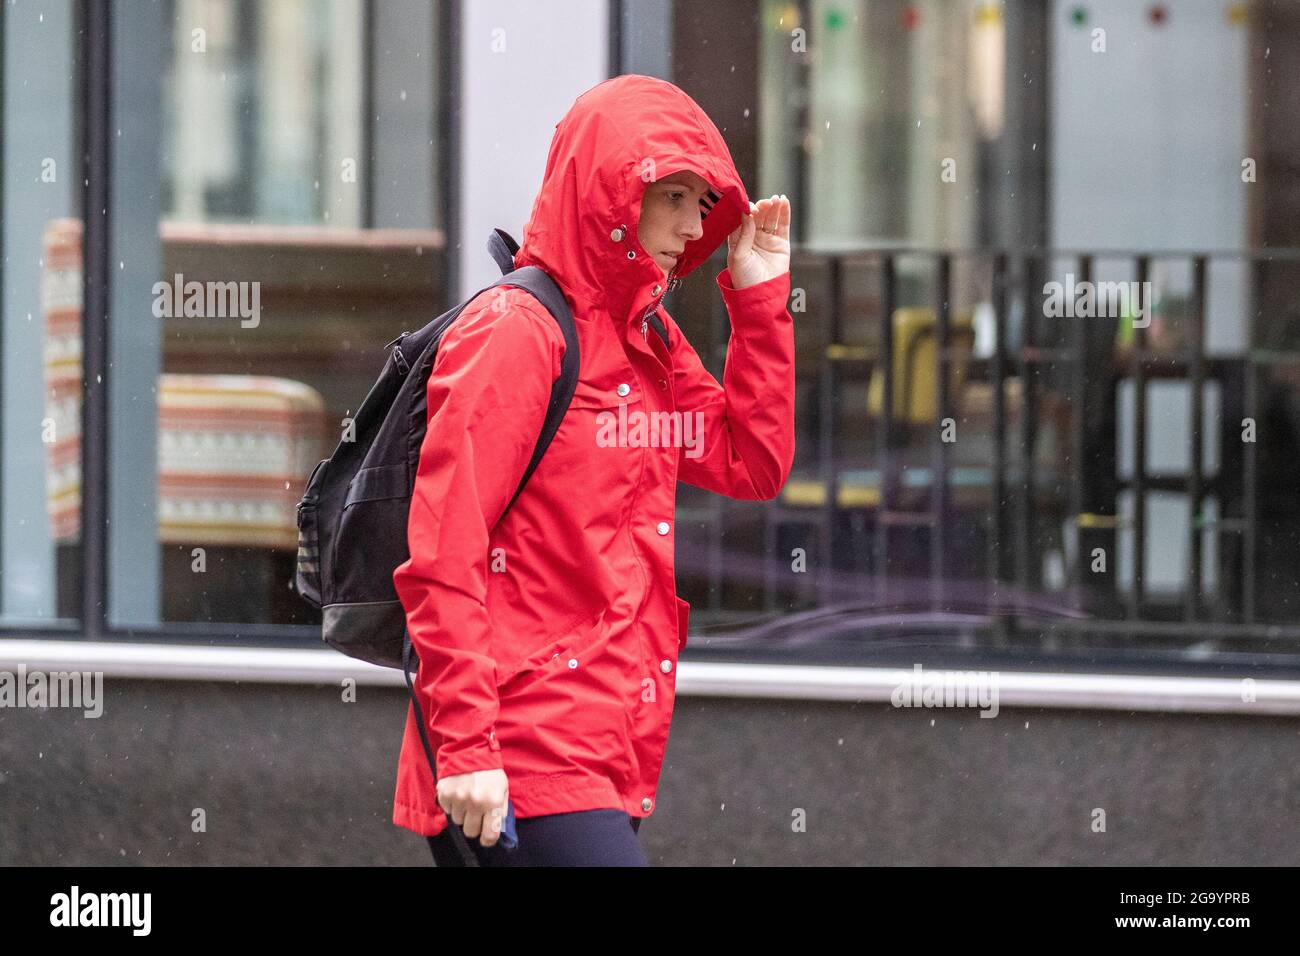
[676, 196]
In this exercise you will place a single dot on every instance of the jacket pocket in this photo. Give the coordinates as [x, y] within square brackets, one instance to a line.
[683, 618]
[553, 656]
[604, 394]
[600, 418]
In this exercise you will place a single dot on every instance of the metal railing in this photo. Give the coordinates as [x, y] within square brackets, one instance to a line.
[1087, 364]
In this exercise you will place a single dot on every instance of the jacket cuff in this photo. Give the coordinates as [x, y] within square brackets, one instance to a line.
[763, 298]
[484, 754]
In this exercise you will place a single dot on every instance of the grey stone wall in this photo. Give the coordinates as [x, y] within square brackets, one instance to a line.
[291, 775]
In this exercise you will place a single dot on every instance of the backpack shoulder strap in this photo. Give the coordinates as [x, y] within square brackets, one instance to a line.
[542, 287]
[503, 247]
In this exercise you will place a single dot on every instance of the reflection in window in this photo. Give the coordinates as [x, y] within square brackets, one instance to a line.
[262, 105]
[914, 84]
[967, 456]
[250, 295]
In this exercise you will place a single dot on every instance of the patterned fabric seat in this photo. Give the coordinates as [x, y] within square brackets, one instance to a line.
[233, 450]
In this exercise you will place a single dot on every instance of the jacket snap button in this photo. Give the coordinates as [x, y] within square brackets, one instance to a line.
[666, 666]
[624, 388]
[662, 527]
[663, 383]
[573, 662]
[631, 254]
[646, 804]
[617, 234]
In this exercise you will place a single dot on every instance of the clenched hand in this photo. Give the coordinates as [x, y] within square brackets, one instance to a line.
[477, 802]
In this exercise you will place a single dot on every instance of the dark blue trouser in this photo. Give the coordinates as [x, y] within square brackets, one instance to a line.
[580, 838]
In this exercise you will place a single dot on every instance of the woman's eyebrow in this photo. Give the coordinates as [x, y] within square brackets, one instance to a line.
[686, 186]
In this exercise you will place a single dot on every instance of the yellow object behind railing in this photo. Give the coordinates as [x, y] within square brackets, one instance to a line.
[915, 394]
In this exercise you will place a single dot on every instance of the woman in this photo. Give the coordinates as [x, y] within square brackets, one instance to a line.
[548, 642]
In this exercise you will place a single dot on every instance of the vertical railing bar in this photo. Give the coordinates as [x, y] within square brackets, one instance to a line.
[1250, 464]
[1079, 332]
[940, 452]
[884, 429]
[829, 401]
[1025, 525]
[1196, 477]
[1140, 446]
[997, 538]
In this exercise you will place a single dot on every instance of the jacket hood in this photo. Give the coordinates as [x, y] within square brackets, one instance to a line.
[618, 137]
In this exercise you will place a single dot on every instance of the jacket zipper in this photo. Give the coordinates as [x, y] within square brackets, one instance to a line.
[674, 281]
[645, 319]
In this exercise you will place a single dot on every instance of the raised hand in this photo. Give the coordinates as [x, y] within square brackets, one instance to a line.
[759, 248]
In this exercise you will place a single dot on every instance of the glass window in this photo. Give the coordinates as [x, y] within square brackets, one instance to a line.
[1040, 402]
[40, 344]
[1046, 340]
[274, 220]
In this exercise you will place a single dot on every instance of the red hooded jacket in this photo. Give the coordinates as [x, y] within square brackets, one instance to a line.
[548, 641]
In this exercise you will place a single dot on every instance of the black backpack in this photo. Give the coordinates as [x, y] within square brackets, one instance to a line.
[352, 517]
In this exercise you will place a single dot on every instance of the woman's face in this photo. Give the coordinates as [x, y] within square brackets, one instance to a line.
[670, 216]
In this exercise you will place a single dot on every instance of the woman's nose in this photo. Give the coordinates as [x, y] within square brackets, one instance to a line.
[693, 227]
